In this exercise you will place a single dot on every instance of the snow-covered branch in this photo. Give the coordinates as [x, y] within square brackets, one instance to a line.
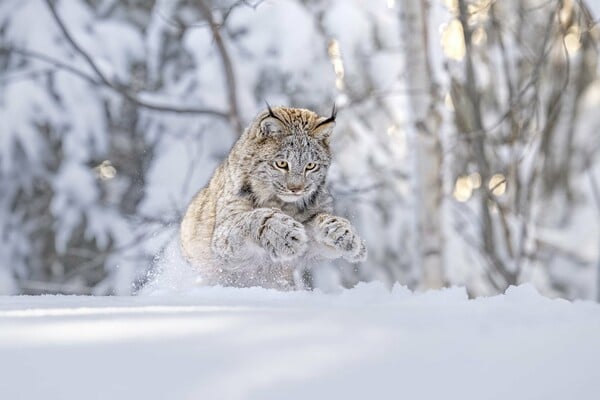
[121, 89]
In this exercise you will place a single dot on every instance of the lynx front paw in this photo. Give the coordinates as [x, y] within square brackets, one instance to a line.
[339, 233]
[282, 237]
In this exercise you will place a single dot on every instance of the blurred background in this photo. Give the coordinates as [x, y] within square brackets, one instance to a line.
[466, 150]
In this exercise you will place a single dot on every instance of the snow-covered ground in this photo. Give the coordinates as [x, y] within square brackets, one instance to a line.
[366, 342]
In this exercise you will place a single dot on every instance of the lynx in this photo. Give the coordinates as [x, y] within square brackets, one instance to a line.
[266, 213]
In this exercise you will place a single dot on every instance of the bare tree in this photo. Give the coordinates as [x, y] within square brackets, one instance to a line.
[517, 130]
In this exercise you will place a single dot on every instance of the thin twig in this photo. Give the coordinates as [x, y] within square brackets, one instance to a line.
[54, 62]
[226, 12]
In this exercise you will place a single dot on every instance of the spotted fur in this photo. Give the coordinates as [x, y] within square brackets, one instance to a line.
[266, 212]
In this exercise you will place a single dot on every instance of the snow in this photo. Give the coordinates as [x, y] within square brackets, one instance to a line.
[229, 343]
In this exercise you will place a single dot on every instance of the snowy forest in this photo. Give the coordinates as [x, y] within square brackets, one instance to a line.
[466, 149]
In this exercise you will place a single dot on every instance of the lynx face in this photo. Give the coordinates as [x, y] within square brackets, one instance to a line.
[293, 153]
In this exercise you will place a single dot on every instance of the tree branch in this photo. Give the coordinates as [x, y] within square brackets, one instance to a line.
[234, 115]
[54, 62]
[105, 81]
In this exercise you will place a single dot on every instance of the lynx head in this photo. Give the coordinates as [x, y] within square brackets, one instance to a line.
[290, 153]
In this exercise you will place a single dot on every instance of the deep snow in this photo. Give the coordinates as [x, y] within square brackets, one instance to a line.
[253, 343]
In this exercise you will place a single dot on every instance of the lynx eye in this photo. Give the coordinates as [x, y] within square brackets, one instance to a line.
[281, 164]
[310, 166]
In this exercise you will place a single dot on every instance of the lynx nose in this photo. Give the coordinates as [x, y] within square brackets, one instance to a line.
[295, 187]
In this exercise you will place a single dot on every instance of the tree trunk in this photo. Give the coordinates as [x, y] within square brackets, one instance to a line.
[424, 133]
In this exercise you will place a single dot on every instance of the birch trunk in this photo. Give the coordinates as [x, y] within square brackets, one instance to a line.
[423, 128]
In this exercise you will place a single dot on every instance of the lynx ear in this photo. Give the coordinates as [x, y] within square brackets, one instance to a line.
[324, 128]
[270, 127]
[323, 131]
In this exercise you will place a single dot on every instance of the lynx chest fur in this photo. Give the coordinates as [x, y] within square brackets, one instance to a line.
[266, 213]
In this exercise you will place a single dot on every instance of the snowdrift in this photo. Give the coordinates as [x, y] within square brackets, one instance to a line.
[367, 342]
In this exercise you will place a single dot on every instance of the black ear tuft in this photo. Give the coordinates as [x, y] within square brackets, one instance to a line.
[271, 113]
[330, 119]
